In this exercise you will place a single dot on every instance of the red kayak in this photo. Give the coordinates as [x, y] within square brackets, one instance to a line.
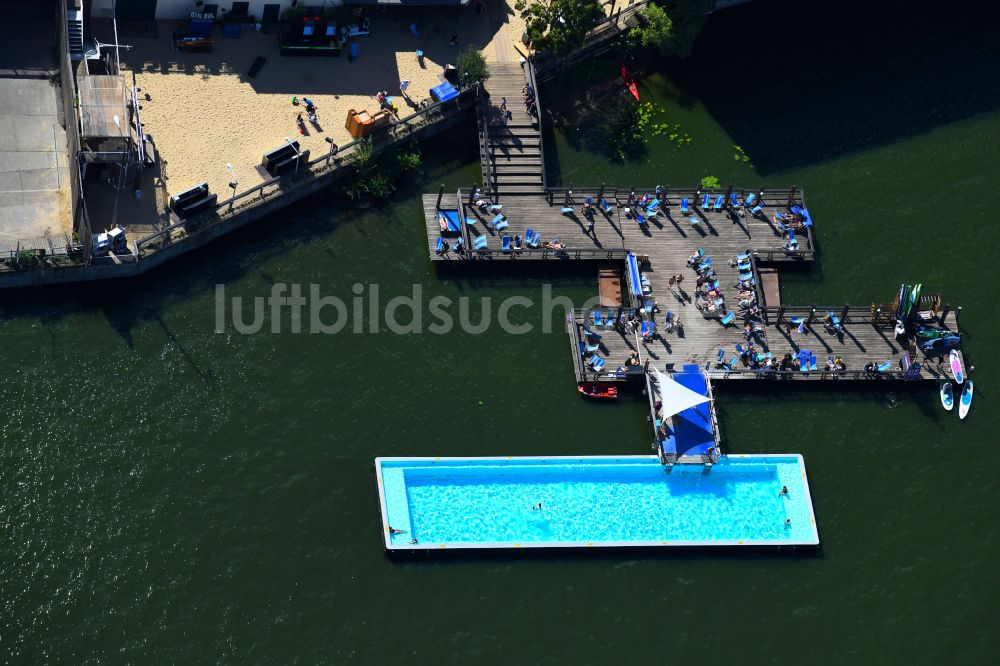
[629, 83]
[599, 391]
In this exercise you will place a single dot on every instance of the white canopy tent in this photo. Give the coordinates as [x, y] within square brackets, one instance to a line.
[675, 398]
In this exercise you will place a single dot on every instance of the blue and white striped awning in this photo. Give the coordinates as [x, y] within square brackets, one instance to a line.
[635, 283]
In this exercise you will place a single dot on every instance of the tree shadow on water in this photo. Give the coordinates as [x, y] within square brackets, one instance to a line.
[816, 81]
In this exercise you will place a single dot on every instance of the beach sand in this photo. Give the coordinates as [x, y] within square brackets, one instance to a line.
[204, 111]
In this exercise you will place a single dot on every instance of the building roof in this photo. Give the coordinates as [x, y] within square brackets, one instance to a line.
[102, 97]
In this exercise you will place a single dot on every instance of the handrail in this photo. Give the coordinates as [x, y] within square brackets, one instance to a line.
[530, 69]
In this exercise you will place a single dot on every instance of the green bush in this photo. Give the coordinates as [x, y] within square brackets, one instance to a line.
[709, 183]
[472, 67]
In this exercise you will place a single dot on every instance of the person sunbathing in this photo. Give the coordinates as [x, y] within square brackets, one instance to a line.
[554, 245]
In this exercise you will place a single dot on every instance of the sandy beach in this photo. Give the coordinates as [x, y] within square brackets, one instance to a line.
[204, 111]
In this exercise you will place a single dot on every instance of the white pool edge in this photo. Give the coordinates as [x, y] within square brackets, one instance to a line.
[507, 545]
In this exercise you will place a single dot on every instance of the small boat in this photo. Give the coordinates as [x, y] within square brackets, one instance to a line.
[957, 369]
[939, 344]
[947, 395]
[629, 82]
[598, 390]
[966, 400]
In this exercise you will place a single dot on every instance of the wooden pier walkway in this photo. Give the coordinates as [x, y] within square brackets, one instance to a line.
[510, 137]
[662, 247]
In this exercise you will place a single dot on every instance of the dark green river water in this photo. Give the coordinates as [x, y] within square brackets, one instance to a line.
[176, 495]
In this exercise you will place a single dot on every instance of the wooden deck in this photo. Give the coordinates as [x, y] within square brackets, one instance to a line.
[663, 247]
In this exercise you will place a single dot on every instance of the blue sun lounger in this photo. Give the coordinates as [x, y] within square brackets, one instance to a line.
[694, 221]
[505, 244]
[470, 222]
[778, 217]
[644, 329]
[588, 349]
[804, 212]
[728, 319]
[596, 363]
[884, 367]
[598, 318]
[441, 245]
[566, 210]
[480, 242]
[532, 238]
[591, 334]
[750, 199]
[744, 277]
[791, 237]
[756, 210]
[457, 245]
[745, 256]
[684, 206]
[605, 206]
[803, 364]
[743, 266]
[653, 207]
[639, 218]
[812, 363]
[499, 223]
[835, 326]
[732, 363]
[733, 201]
[721, 357]
[718, 202]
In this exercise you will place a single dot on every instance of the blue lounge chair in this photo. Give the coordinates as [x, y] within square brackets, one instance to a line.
[694, 221]
[756, 210]
[812, 362]
[639, 218]
[441, 245]
[605, 206]
[533, 238]
[728, 319]
[798, 320]
[591, 334]
[596, 363]
[706, 202]
[495, 208]
[566, 210]
[480, 242]
[721, 357]
[586, 349]
[457, 245]
[803, 364]
[791, 237]
[644, 329]
[884, 367]
[834, 325]
[804, 212]
[499, 223]
[470, 222]
[778, 217]
[750, 199]
[733, 201]
[718, 202]
[505, 244]
[732, 363]
[743, 266]
[744, 277]
[745, 256]
[684, 206]
[598, 318]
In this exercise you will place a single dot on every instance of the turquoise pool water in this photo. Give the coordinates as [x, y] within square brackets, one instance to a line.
[593, 501]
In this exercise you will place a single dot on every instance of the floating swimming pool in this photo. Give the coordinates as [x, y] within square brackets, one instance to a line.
[610, 501]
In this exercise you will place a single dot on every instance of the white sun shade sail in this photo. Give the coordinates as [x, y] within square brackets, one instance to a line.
[674, 397]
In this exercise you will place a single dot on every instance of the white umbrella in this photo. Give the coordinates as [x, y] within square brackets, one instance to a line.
[675, 398]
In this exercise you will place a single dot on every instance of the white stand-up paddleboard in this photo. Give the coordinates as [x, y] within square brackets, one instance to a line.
[966, 402]
[947, 395]
[957, 369]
